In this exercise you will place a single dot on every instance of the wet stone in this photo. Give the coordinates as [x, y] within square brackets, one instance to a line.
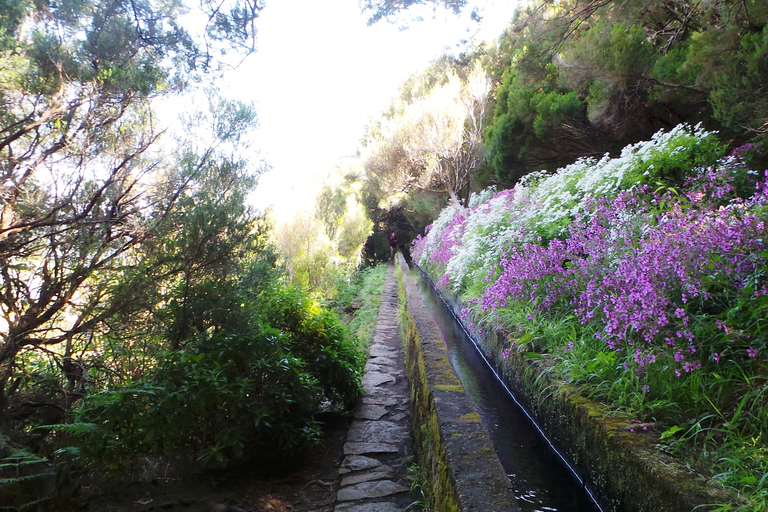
[385, 392]
[382, 352]
[367, 507]
[370, 412]
[358, 477]
[376, 432]
[358, 463]
[381, 360]
[381, 390]
[379, 400]
[364, 490]
[376, 368]
[363, 448]
[373, 379]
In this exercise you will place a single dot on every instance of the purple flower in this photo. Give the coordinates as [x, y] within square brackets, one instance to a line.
[629, 264]
[505, 354]
[689, 366]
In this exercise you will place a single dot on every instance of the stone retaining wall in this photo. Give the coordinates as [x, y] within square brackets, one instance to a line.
[615, 456]
[450, 440]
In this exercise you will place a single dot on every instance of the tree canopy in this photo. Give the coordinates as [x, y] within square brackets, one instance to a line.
[386, 9]
[431, 138]
[591, 76]
[85, 187]
[570, 80]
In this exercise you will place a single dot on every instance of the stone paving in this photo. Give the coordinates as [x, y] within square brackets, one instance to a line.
[379, 446]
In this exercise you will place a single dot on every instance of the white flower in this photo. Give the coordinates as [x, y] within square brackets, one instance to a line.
[542, 203]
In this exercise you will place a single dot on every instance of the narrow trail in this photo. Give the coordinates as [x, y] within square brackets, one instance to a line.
[378, 448]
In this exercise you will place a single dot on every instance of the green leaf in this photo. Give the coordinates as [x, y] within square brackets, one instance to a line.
[671, 431]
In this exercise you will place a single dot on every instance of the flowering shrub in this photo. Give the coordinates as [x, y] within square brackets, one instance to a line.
[645, 277]
[663, 160]
[542, 206]
[641, 274]
[640, 263]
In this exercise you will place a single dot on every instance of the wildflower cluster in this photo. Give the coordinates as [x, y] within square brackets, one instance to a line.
[645, 277]
[676, 276]
[642, 274]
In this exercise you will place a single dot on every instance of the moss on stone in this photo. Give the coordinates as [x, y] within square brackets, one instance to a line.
[472, 416]
[452, 388]
[456, 428]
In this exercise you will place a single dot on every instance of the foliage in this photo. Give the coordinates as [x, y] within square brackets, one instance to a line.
[365, 316]
[579, 79]
[24, 480]
[652, 297]
[86, 190]
[319, 338]
[136, 281]
[525, 113]
[339, 207]
[323, 247]
[543, 206]
[431, 137]
[387, 9]
[233, 363]
[740, 103]
[227, 395]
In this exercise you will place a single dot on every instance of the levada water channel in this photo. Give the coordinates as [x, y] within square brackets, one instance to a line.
[541, 479]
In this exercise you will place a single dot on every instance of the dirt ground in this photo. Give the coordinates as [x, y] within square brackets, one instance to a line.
[310, 487]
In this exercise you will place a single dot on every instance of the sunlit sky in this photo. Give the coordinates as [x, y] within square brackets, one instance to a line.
[320, 73]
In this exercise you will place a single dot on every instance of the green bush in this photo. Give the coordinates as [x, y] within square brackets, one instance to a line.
[319, 338]
[226, 396]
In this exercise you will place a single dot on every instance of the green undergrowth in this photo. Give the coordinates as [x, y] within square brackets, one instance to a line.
[369, 285]
[712, 418]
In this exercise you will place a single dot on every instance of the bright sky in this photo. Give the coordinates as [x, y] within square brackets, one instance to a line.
[320, 73]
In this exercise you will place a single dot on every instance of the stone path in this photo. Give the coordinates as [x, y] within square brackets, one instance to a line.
[378, 447]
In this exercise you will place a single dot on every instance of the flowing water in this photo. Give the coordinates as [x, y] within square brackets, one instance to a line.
[541, 479]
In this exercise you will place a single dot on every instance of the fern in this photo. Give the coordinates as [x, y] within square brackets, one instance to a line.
[12, 469]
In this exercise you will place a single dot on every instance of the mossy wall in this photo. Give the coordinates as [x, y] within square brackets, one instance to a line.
[427, 439]
[451, 442]
[616, 457]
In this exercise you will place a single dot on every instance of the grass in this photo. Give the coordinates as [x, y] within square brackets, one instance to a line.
[714, 417]
[368, 294]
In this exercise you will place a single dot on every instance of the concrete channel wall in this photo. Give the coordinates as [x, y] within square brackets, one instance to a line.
[615, 456]
[451, 443]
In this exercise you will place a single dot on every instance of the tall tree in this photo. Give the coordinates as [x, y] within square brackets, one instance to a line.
[432, 141]
[79, 187]
[582, 78]
[386, 9]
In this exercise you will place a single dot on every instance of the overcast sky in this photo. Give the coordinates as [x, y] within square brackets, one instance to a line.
[320, 73]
